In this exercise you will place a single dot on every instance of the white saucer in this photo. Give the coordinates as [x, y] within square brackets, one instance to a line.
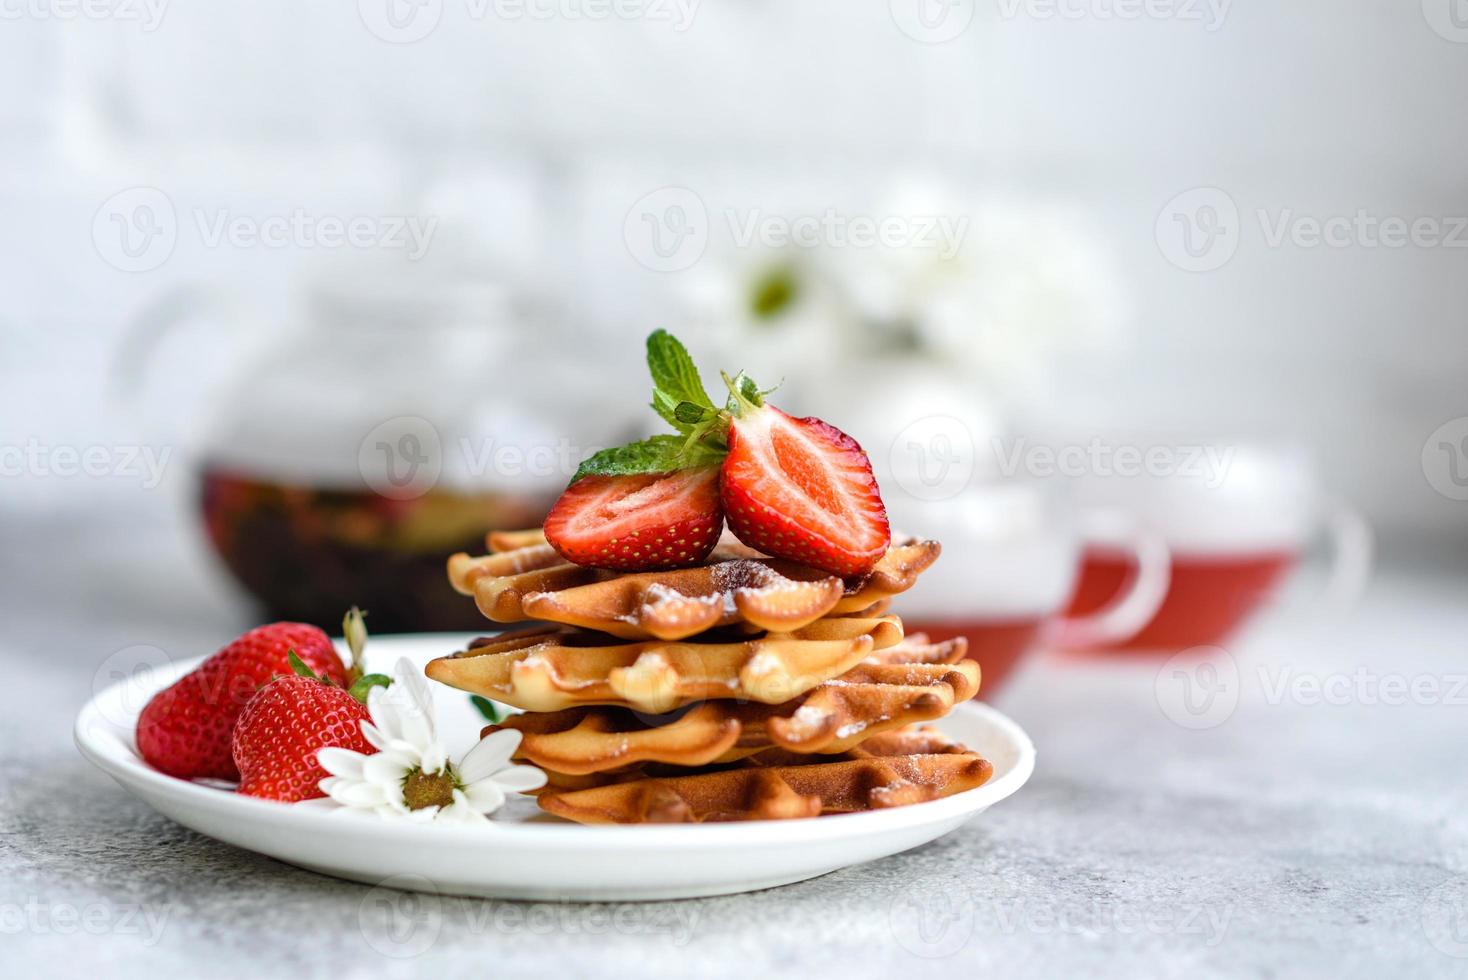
[524, 853]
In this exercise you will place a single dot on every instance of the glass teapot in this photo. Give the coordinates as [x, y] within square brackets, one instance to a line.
[393, 421]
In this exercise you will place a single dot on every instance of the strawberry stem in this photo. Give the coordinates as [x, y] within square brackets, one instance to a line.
[744, 394]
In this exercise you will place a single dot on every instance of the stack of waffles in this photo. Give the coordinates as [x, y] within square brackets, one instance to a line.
[746, 687]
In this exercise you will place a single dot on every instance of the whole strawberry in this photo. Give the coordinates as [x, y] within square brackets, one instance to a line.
[186, 729]
[284, 726]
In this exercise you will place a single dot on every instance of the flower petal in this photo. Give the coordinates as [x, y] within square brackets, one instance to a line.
[373, 734]
[484, 796]
[491, 754]
[415, 728]
[411, 678]
[460, 811]
[435, 759]
[341, 762]
[520, 779]
[388, 770]
[354, 793]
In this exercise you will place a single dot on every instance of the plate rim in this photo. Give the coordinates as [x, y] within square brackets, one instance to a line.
[128, 770]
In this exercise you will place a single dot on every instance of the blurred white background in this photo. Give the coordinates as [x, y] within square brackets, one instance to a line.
[527, 134]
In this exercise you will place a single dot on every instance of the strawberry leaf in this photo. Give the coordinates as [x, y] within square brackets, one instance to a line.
[367, 682]
[744, 395]
[674, 379]
[299, 666]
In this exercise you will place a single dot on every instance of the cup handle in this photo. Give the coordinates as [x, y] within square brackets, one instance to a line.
[1352, 558]
[1126, 615]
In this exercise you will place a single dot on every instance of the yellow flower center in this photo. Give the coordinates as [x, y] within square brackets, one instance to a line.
[421, 789]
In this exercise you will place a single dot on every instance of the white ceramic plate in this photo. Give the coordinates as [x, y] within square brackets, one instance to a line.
[524, 853]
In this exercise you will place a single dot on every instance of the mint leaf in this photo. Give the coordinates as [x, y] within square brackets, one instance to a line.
[674, 378]
[660, 454]
[692, 414]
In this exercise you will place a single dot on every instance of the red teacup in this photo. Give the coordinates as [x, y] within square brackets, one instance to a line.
[1233, 535]
[1010, 556]
[1209, 596]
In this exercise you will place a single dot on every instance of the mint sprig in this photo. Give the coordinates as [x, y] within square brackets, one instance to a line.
[675, 380]
[678, 395]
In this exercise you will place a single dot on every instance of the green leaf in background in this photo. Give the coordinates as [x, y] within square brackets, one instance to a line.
[487, 708]
[674, 379]
[660, 454]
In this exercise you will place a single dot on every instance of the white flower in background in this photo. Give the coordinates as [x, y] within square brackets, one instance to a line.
[1029, 281]
[410, 775]
[992, 290]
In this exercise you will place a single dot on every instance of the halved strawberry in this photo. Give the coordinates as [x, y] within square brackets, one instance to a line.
[639, 522]
[802, 489]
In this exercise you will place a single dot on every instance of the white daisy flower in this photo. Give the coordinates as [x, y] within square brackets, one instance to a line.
[410, 775]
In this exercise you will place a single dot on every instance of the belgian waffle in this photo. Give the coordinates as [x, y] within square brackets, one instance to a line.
[557, 667]
[831, 718]
[774, 792]
[525, 579]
